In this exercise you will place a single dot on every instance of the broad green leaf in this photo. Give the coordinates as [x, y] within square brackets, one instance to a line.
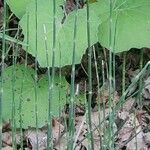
[27, 97]
[18, 7]
[66, 35]
[44, 18]
[100, 7]
[64, 32]
[130, 25]
[92, 1]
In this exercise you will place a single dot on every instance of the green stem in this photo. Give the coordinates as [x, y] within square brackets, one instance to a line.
[98, 93]
[141, 80]
[72, 94]
[22, 85]
[2, 70]
[15, 51]
[13, 40]
[36, 76]
[111, 49]
[123, 72]
[49, 133]
[89, 77]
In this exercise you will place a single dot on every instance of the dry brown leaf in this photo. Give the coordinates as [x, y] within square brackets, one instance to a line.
[146, 138]
[128, 104]
[104, 95]
[57, 130]
[7, 138]
[31, 137]
[146, 91]
[7, 148]
[137, 141]
[127, 130]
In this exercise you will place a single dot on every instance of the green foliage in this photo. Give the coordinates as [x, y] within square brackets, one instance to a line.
[27, 96]
[130, 25]
[44, 17]
[66, 35]
[130, 29]
[18, 7]
[130, 21]
[64, 32]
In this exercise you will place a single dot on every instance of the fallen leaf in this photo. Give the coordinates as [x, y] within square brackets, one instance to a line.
[31, 135]
[146, 90]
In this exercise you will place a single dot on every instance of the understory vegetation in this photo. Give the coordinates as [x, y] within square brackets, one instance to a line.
[75, 74]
